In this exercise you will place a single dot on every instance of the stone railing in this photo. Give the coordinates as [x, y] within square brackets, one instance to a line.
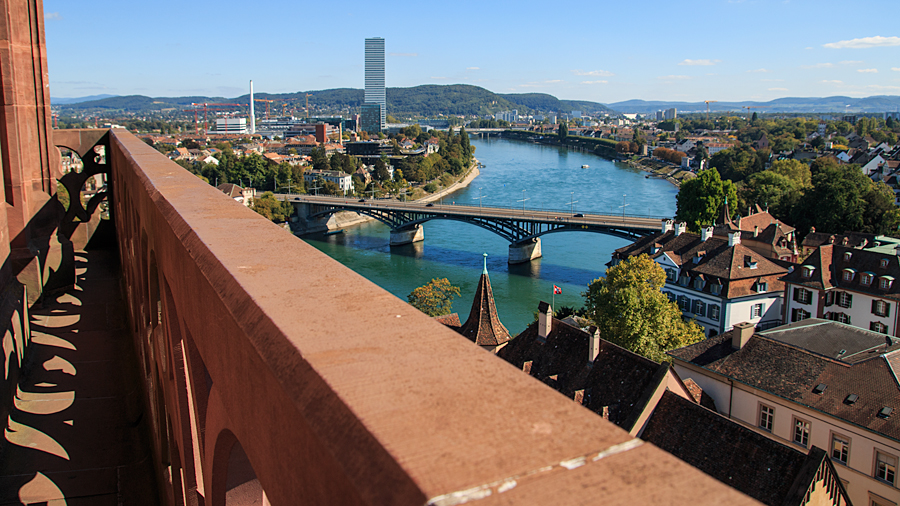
[275, 374]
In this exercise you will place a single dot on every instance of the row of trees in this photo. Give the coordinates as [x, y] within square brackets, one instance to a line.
[669, 155]
[831, 197]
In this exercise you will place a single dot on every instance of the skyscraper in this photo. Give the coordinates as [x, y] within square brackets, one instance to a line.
[375, 81]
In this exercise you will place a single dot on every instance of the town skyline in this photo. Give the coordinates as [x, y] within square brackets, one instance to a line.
[713, 50]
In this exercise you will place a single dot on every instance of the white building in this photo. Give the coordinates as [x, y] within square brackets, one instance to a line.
[342, 179]
[849, 280]
[231, 125]
[715, 281]
[813, 383]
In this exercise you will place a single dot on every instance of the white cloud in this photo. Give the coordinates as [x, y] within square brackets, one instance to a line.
[673, 78]
[472, 68]
[895, 69]
[867, 71]
[880, 87]
[817, 66]
[778, 89]
[832, 81]
[594, 82]
[52, 15]
[851, 62]
[864, 42]
[406, 55]
[759, 71]
[598, 73]
[704, 63]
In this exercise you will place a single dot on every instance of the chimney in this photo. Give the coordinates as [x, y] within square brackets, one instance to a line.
[593, 343]
[680, 228]
[756, 231]
[739, 221]
[252, 111]
[734, 238]
[741, 333]
[545, 319]
[706, 233]
[666, 225]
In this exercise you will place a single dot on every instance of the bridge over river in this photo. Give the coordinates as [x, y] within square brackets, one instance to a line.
[521, 227]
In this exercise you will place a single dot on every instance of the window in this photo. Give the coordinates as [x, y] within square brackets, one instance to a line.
[756, 311]
[684, 280]
[715, 288]
[671, 296]
[801, 432]
[847, 256]
[848, 274]
[671, 275]
[844, 299]
[884, 263]
[829, 298]
[802, 295]
[807, 271]
[878, 327]
[840, 448]
[714, 313]
[761, 287]
[838, 317]
[684, 303]
[699, 308]
[766, 417]
[698, 283]
[866, 278]
[881, 308]
[798, 314]
[885, 282]
[885, 467]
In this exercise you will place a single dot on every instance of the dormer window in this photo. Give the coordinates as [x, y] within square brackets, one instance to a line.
[807, 271]
[848, 256]
[698, 283]
[750, 263]
[761, 287]
[848, 274]
[885, 282]
[866, 278]
[884, 263]
[671, 275]
[684, 280]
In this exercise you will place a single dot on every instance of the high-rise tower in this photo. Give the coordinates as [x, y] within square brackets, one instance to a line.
[375, 81]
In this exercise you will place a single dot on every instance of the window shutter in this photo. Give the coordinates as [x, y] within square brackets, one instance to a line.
[796, 294]
[887, 309]
[875, 306]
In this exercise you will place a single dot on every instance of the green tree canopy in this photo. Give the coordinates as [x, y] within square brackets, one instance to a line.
[272, 208]
[631, 311]
[773, 190]
[736, 163]
[700, 200]
[434, 298]
[563, 130]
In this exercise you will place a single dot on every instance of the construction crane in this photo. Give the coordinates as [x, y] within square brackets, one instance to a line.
[707, 107]
[267, 101]
[748, 107]
[217, 107]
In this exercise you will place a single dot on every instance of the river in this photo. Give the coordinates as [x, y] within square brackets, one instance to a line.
[551, 179]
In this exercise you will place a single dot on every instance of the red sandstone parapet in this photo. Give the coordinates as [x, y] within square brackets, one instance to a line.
[337, 391]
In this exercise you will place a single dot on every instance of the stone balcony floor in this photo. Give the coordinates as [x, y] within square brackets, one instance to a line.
[77, 433]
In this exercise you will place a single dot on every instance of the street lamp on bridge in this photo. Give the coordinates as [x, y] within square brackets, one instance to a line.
[623, 206]
[479, 198]
[523, 201]
[572, 204]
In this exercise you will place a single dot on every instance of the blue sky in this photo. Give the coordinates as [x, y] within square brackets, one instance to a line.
[605, 51]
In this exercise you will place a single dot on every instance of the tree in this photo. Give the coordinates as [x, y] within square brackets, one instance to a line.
[272, 208]
[699, 200]
[631, 311]
[563, 130]
[795, 170]
[736, 163]
[768, 188]
[434, 298]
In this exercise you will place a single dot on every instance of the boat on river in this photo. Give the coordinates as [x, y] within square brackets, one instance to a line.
[585, 166]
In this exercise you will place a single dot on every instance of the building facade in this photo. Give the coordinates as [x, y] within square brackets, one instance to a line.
[375, 81]
[786, 384]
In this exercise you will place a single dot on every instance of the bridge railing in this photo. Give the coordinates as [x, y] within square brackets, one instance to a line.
[438, 204]
[274, 371]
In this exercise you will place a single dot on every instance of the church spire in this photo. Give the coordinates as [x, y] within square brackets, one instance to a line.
[484, 326]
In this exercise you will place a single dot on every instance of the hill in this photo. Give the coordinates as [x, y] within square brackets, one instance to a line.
[836, 104]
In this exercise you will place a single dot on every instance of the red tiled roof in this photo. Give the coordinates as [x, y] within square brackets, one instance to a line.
[483, 326]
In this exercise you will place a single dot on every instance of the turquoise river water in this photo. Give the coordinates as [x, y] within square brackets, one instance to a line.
[551, 179]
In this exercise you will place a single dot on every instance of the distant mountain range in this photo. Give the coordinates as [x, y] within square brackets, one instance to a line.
[89, 98]
[433, 100]
[838, 104]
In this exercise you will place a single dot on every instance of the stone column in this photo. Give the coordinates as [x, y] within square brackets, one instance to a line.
[407, 236]
[519, 253]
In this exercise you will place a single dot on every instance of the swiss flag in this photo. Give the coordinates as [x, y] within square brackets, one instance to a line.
[557, 290]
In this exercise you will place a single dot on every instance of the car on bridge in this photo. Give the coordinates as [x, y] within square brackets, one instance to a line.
[578, 215]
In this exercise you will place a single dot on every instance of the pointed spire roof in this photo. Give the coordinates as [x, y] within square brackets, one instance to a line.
[483, 326]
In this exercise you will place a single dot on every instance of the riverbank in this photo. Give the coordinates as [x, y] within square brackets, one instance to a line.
[459, 185]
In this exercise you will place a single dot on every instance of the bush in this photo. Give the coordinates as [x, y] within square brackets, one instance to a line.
[431, 187]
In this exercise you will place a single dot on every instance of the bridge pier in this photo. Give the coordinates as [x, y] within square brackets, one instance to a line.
[407, 235]
[520, 253]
